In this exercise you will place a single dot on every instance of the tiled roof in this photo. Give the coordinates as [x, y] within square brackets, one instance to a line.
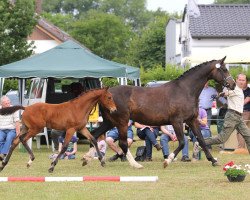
[54, 30]
[221, 20]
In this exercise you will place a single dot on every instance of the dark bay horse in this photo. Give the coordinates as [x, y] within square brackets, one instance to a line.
[70, 116]
[175, 102]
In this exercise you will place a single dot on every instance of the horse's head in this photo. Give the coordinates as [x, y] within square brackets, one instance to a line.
[107, 100]
[221, 74]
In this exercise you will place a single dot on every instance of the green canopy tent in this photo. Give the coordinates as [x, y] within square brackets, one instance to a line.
[67, 60]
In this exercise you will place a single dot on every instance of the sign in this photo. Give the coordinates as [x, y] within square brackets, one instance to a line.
[94, 114]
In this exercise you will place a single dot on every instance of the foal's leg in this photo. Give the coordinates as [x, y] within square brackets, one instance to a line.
[7, 158]
[24, 138]
[194, 125]
[88, 135]
[178, 128]
[69, 133]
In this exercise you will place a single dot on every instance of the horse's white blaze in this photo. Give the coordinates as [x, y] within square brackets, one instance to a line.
[132, 161]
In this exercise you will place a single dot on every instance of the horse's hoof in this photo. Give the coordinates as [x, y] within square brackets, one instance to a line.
[103, 163]
[28, 165]
[215, 164]
[165, 163]
[51, 170]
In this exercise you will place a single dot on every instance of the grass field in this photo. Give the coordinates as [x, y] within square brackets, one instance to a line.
[194, 180]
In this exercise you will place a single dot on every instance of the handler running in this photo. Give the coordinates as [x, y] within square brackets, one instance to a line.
[233, 118]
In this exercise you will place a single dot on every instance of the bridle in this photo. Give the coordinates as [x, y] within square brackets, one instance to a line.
[225, 79]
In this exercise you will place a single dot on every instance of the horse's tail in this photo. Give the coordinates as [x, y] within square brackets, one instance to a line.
[10, 110]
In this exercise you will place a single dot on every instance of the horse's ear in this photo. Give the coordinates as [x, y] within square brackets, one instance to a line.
[218, 65]
[222, 60]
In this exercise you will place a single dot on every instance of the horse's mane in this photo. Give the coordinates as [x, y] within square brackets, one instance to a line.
[85, 92]
[195, 68]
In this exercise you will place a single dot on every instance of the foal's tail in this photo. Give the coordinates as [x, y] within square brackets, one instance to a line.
[10, 110]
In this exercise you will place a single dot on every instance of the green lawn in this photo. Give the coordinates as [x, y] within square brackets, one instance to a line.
[194, 180]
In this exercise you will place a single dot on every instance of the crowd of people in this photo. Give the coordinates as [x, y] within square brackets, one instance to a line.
[236, 109]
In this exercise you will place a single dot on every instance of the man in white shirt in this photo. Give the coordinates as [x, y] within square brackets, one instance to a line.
[9, 128]
[233, 118]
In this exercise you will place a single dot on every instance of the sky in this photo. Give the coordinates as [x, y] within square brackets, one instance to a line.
[172, 5]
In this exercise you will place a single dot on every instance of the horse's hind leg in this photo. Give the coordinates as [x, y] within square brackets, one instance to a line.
[87, 134]
[24, 139]
[7, 158]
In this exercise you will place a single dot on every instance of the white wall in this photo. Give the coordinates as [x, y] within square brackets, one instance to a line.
[44, 45]
[173, 47]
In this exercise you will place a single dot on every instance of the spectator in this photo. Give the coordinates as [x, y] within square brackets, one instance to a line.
[221, 113]
[149, 134]
[71, 148]
[205, 131]
[206, 100]
[102, 146]
[246, 109]
[9, 128]
[168, 133]
[55, 134]
[113, 136]
[76, 88]
[233, 119]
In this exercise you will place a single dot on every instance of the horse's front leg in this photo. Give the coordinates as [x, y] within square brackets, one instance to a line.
[123, 144]
[88, 135]
[5, 161]
[69, 133]
[197, 133]
[178, 128]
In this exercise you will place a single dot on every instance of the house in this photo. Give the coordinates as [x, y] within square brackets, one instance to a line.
[46, 35]
[217, 27]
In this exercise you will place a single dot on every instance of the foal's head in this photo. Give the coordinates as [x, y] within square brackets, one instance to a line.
[221, 74]
[107, 100]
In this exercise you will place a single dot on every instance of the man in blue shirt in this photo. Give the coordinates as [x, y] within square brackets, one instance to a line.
[206, 100]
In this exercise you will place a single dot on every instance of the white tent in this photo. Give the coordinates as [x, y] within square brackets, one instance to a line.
[239, 53]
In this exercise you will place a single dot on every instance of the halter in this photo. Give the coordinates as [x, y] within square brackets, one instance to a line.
[225, 83]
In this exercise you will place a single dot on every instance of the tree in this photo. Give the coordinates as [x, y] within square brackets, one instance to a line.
[70, 6]
[148, 49]
[16, 23]
[64, 21]
[133, 12]
[104, 34]
[231, 1]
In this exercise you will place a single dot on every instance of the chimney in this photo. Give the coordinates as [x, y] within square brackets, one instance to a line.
[39, 6]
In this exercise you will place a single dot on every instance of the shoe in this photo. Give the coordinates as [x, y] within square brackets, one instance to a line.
[185, 159]
[123, 158]
[158, 147]
[148, 159]
[114, 158]
[2, 156]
